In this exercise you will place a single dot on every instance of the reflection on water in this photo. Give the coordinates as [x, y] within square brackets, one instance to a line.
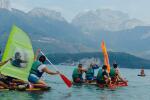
[138, 89]
[15, 95]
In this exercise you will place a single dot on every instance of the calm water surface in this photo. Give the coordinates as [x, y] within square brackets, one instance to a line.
[138, 89]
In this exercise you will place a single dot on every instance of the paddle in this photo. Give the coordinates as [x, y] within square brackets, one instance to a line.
[63, 77]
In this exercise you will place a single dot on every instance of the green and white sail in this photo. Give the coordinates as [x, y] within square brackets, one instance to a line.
[18, 41]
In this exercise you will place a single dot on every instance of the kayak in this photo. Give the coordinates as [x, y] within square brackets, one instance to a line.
[141, 75]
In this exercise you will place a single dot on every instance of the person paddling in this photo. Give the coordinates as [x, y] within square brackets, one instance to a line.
[103, 76]
[90, 73]
[37, 70]
[77, 74]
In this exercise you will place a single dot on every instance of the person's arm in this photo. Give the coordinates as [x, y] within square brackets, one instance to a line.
[84, 70]
[3, 63]
[23, 61]
[36, 54]
[105, 75]
[45, 69]
[95, 66]
[119, 75]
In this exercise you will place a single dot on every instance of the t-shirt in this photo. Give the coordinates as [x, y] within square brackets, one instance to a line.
[41, 67]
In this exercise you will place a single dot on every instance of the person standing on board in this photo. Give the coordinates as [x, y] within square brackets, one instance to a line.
[77, 74]
[37, 70]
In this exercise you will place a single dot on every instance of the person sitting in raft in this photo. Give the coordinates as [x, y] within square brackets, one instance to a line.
[7, 81]
[17, 61]
[90, 73]
[3, 84]
[77, 74]
[37, 70]
[103, 76]
[115, 74]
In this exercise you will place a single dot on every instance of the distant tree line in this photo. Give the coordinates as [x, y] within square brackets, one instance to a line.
[124, 60]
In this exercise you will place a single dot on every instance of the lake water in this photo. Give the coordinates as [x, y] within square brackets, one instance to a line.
[138, 89]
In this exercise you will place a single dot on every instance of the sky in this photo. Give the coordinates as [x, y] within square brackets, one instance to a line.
[69, 8]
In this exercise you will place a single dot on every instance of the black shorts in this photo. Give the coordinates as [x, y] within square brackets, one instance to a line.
[7, 80]
[4, 81]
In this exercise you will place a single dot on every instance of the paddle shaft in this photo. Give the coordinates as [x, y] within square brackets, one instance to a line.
[49, 61]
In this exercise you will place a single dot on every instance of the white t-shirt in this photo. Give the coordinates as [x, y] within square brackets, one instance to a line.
[41, 67]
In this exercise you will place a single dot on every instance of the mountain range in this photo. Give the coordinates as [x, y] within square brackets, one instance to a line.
[124, 60]
[50, 31]
[105, 19]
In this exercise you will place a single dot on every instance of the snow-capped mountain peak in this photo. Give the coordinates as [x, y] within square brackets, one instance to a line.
[40, 12]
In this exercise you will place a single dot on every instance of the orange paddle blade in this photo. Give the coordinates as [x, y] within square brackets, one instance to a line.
[66, 80]
[106, 59]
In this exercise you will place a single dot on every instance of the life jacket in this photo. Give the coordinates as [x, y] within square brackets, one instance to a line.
[112, 72]
[34, 69]
[76, 74]
[99, 75]
[90, 72]
[16, 63]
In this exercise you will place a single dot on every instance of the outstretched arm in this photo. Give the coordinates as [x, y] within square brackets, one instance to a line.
[23, 61]
[84, 70]
[3, 63]
[95, 66]
[49, 71]
[36, 54]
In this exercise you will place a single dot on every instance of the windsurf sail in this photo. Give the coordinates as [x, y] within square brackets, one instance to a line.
[106, 59]
[19, 48]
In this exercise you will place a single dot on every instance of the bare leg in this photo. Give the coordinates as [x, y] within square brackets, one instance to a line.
[42, 82]
[39, 84]
[2, 84]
